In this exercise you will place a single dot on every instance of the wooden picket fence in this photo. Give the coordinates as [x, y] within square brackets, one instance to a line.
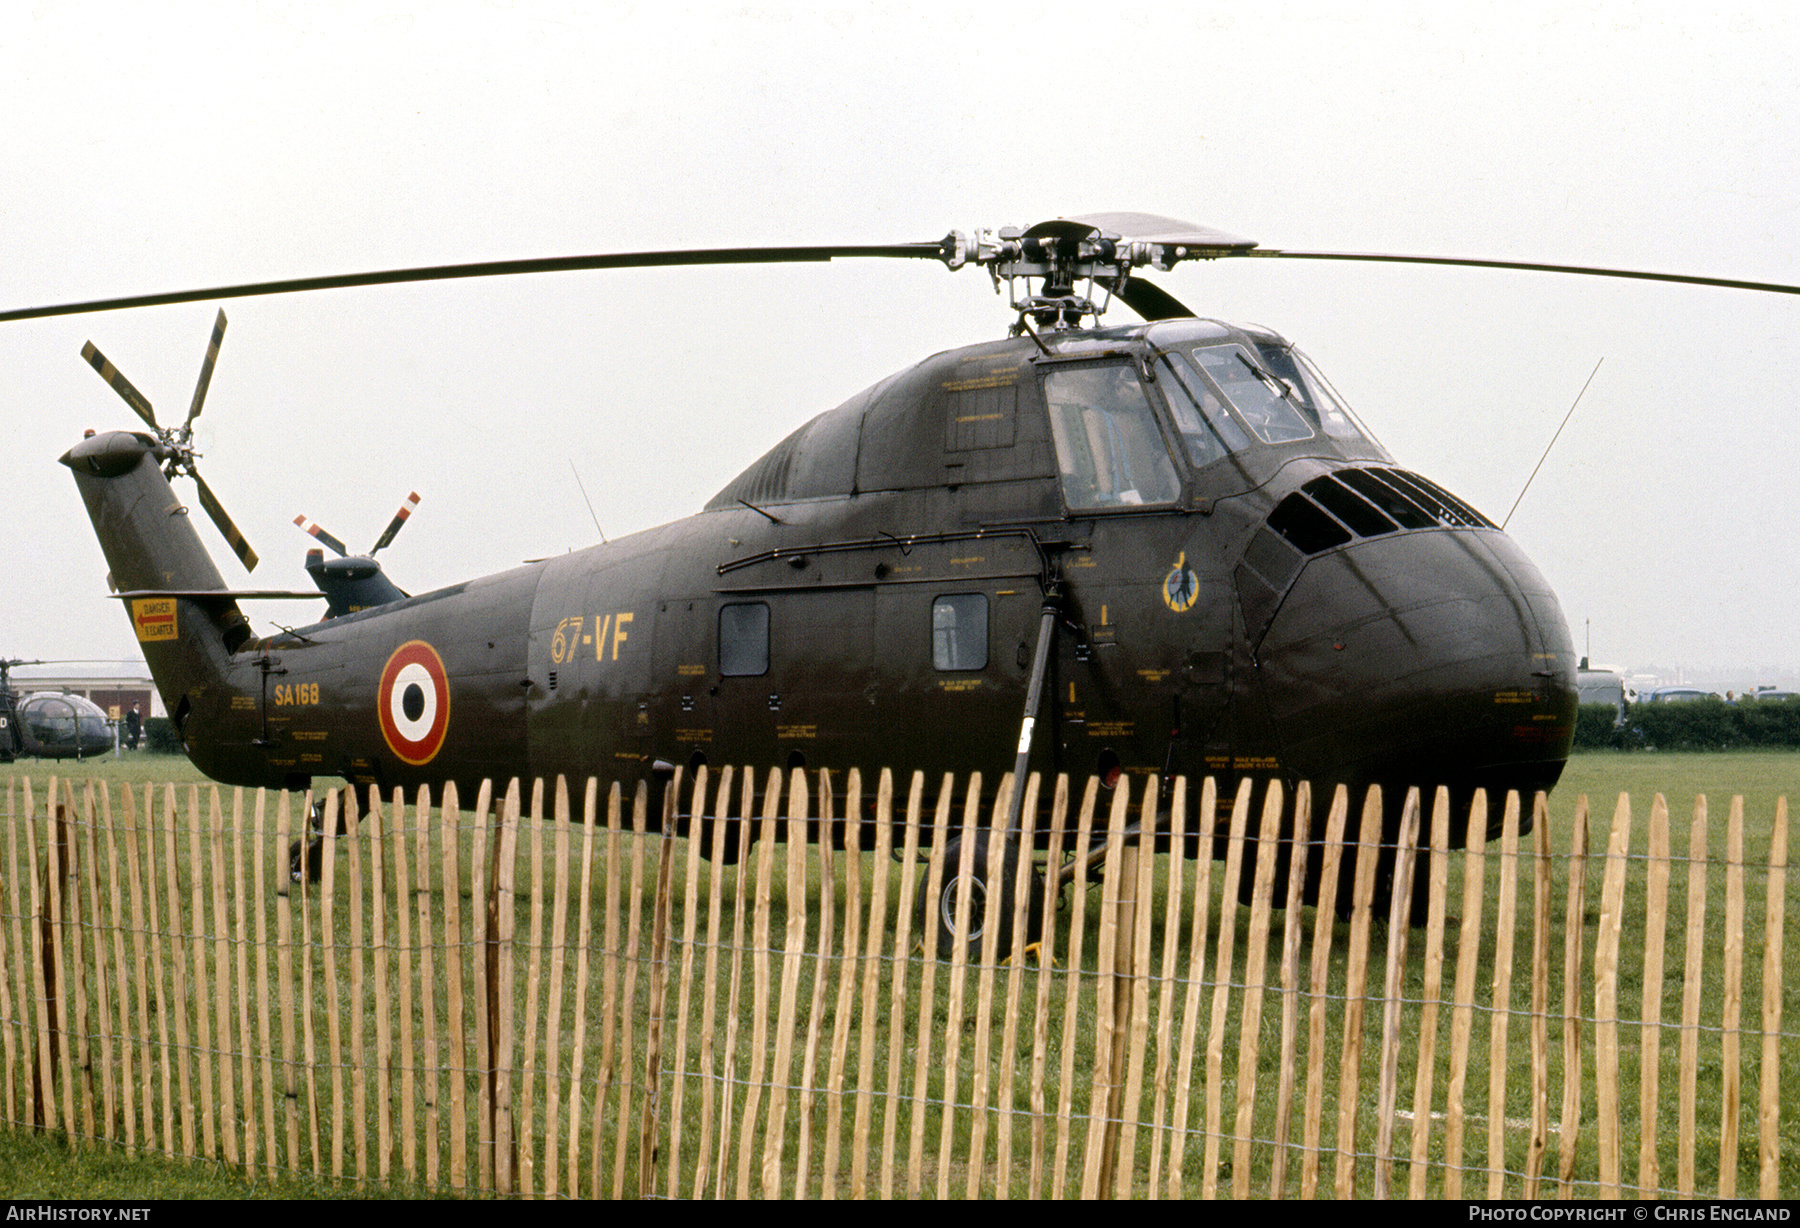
[505, 1001]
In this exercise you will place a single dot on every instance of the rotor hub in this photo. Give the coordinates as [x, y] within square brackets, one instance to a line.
[1101, 249]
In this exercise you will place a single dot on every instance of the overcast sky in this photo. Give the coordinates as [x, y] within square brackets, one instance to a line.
[170, 146]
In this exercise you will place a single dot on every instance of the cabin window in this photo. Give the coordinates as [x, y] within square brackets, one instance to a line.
[1108, 447]
[743, 639]
[959, 631]
[1261, 400]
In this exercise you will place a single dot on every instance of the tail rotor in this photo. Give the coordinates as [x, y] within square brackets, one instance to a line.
[176, 444]
[328, 538]
[353, 582]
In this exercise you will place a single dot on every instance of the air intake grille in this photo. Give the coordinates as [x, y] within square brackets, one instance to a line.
[1368, 502]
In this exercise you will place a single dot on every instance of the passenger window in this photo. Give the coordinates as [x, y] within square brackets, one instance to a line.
[1108, 447]
[744, 640]
[959, 631]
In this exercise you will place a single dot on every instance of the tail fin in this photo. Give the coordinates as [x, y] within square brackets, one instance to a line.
[157, 560]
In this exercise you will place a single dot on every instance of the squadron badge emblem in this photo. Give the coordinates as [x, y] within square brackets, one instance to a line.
[1181, 587]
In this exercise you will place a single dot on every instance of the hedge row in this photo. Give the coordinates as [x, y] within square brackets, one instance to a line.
[1702, 724]
[159, 736]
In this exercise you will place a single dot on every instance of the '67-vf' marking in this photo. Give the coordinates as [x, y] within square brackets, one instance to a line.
[605, 633]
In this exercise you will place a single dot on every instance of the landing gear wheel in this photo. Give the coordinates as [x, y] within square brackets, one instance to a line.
[305, 856]
[304, 859]
[990, 902]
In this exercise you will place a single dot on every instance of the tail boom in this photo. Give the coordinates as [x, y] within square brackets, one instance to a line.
[189, 641]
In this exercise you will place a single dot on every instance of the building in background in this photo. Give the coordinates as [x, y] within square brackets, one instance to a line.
[113, 685]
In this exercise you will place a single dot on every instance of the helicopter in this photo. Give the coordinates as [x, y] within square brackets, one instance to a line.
[1165, 548]
[49, 724]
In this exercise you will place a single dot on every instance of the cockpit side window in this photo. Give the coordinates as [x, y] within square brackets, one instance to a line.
[1108, 447]
[1259, 397]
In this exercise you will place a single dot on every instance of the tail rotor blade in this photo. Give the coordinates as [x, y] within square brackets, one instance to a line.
[112, 375]
[318, 531]
[206, 370]
[233, 538]
[387, 536]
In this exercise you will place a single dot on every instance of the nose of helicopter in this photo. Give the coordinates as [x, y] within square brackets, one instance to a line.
[1428, 658]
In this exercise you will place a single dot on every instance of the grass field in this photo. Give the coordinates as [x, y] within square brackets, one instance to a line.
[28, 1162]
[137, 768]
[1760, 776]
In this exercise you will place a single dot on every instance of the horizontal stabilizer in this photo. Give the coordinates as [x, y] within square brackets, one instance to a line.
[220, 594]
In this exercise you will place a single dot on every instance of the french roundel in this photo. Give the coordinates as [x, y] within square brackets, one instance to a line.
[413, 702]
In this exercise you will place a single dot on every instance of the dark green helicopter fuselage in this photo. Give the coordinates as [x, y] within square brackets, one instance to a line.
[1245, 583]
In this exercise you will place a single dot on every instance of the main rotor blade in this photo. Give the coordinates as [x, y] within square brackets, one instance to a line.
[318, 531]
[1171, 231]
[1152, 301]
[216, 510]
[387, 535]
[120, 384]
[1583, 270]
[206, 370]
[497, 268]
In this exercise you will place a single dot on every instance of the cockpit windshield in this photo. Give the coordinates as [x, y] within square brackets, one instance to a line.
[1207, 431]
[1259, 397]
[50, 718]
[1231, 394]
[1308, 388]
[1225, 397]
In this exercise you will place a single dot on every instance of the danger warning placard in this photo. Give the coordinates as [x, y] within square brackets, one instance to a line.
[154, 618]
